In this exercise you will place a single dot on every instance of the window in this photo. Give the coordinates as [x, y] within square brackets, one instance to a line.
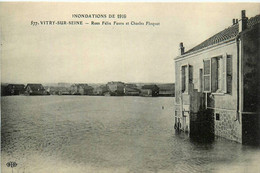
[217, 117]
[200, 80]
[183, 78]
[186, 77]
[217, 76]
[229, 74]
[206, 75]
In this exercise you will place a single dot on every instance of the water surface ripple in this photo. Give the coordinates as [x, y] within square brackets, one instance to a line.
[109, 134]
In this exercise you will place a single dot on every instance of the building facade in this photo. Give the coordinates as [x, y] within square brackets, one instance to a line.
[215, 81]
[131, 91]
[14, 89]
[100, 90]
[35, 89]
[150, 91]
[167, 90]
[81, 89]
[116, 88]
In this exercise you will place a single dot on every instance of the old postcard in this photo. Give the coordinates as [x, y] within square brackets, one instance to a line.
[129, 87]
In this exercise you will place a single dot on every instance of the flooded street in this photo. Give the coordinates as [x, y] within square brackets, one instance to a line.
[64, 134]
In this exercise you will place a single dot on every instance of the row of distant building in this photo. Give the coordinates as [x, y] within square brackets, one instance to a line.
[109, 89]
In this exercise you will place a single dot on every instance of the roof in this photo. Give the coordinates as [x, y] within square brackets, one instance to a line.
[35, 87]
[129, 89]
[226, 34]
[16, 86]
[150, 87]
[166, 86]
[59, 88]
[84, 86]
[130, 85]
[115, 82]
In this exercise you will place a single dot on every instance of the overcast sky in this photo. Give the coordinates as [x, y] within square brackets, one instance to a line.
[98, 54]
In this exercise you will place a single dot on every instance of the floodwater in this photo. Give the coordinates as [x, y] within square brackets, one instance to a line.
[66, 134]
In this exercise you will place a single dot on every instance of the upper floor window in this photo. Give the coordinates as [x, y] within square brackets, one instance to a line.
[186, 77]
[200, 89]
[183, 78]
[218, 74]
[206, 75]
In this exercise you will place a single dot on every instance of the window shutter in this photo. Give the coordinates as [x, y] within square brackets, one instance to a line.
[229, 73]
[190, 73]
[206, 76]
[200, 89]
[183, 79]
[187, 77]
[224, 71]
[214, 74]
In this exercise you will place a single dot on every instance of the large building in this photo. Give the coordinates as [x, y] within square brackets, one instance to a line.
[217, 84]
[81, 89]
[100, 90]
[131, 90]
[116, 88]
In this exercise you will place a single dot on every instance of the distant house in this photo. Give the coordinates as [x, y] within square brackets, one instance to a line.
[166, 90]
[116, 88]
[35, 89]
[129, 85]
[59, 90]
[131, 90]
[14, 89]
[100, 90]
[150, 90]
[65, 85]
[81, 89]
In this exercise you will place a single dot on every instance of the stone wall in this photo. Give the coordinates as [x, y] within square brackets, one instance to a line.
[227, 125]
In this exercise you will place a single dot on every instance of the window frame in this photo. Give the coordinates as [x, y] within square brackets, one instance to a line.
[188, 77]
[184, 79]
[201, 83]
[208, 75]
[223, 86]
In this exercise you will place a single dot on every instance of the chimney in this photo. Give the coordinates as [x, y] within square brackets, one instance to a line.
[234, 21]
[181, 49]
[243, 21]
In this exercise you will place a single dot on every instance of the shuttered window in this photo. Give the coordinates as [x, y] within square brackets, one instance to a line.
[190, 69]
[217, 76]
[200, 89]
[215, 71]
[186, 77]
[183, 78]
[206, 75]
[224, 74]
[229, 74]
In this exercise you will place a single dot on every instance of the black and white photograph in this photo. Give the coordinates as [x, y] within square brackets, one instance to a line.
[130, 87]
